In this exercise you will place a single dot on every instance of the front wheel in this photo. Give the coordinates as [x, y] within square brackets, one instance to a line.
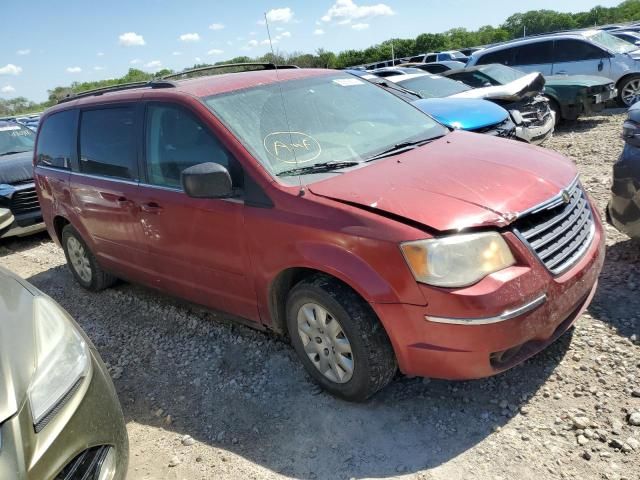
[629, 90]
[339, 339]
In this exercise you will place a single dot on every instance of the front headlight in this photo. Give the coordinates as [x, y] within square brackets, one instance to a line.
[457, 260]
[62, 358]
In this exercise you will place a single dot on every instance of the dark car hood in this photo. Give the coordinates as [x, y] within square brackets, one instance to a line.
[17, 346]
[16, 168]
[527, 86]
[461, 180]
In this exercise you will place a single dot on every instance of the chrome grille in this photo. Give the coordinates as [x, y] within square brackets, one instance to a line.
[24, 201]
[535, 113]
[559, 231]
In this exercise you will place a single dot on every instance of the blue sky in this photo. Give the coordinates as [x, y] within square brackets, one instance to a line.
[50, 43]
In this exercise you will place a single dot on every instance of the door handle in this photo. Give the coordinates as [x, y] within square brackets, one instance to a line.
[124, 202]
[600, 66]
[151, 207]
[561, 72]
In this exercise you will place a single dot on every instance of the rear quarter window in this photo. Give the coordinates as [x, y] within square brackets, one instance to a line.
[504, 56]
[56, 139]
[108, 142]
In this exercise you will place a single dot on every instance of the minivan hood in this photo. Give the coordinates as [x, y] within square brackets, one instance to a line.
[527, 86]
[458, 181]
[17, 345]
[463, 113]
[17, 167]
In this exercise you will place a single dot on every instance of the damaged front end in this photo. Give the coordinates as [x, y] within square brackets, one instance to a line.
[623, 211]
[534, 119]
[21, 201]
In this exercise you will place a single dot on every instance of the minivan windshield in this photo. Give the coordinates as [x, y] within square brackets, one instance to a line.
[432, 86]
[615, 44]
[323, 120]
[14, 138]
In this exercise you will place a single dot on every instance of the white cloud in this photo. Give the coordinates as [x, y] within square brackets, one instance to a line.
[360, 26]
[74, 69]
[229, 42]
[176, 54]
[189, 37]
[198, 59]
[252, 43]
[318, 31]
[25, 51]
[253, 34]
[131, 39]
[266, 41]
[279, 15]
[344, 11]
[153, 65]
[98, 68]
[135, 61]
[7, 89]
[285, 34]
[279, 29]
[10, 69]
[100, 54]
[216, 26]
[215, 51]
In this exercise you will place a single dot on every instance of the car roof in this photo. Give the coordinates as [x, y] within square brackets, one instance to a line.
[581, 34]
[402, 78]
[204, 86]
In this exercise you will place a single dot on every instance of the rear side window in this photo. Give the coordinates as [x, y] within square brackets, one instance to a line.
[575, 51]
[417, 59]
[434, 68]
[56, 139]
[176, 140]
[504, 56]
[430, 58]
[537, 53]
[107, 142]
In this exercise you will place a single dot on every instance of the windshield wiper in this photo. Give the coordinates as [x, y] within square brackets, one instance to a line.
[13, 152]
[317, 168]
[402, 147]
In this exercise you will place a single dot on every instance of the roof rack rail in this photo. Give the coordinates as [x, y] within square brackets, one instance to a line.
[161, 83]
[264, 66]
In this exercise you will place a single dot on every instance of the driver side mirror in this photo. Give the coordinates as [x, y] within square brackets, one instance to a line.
[206, 180]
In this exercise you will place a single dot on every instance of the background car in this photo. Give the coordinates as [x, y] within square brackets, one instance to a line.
[472, 115]
[391, 71]
[17, 188]
[623, 211]
[439, 57]
[627, 36]
[528, 109]
[569, 95]
[59, 412]
[435, 67]
[582, 52]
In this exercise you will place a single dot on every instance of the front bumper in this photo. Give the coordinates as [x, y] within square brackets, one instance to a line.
[537, 134]
[451, 350]
[91, 417]
[623, 210]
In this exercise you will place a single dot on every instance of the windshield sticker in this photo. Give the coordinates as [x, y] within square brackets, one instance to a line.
[8, 129]
[20, 133]
[348, 82]
[292, 147]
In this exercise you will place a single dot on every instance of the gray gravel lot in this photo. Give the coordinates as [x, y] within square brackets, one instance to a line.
[206, 398]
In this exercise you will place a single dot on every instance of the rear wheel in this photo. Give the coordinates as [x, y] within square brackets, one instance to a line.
[629, 90]
[83, 263]
[339, 339]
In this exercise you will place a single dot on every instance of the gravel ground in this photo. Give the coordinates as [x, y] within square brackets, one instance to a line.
[206, 398]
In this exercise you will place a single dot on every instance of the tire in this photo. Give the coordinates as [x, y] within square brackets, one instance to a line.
[555, 108]
[83, 263]
[632, 84]
[348, 318]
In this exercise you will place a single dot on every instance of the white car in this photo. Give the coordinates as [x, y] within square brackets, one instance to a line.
[585, 52]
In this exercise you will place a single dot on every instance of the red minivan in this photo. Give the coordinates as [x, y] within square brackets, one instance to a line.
[316, 205]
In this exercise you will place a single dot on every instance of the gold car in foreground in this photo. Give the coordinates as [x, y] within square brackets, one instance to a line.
[59, 412]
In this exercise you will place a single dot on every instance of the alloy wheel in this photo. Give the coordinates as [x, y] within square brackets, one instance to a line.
[79, 259]
[631, 92]
[325, 343]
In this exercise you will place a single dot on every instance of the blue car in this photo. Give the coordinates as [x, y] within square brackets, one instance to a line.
[470, 114]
